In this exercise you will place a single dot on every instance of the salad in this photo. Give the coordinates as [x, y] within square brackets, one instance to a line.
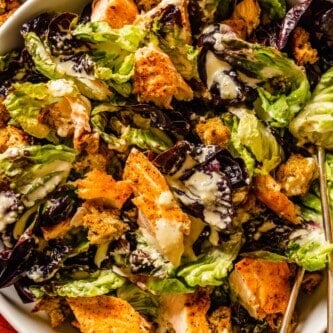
[157, 162]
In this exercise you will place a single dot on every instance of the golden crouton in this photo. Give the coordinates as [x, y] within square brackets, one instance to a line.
[159, 213]
[261, 286]
[99, 186]
[103, 224]
[103, 314]
[249, 12]
[296, 174]
[11, 136]
[156, 78]
[88, 162]
[147, 4]
[7, 8]
[213, 132]
[116, 13]
[268, 191]
[302, 49]
[56, 308]
[220, 320]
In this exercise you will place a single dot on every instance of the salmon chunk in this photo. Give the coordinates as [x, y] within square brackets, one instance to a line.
[103, 314]
[261, 286]
[157, 80]
[159, 212]
[187, 312]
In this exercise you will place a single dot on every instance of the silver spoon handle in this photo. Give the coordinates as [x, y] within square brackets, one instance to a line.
[328, 233]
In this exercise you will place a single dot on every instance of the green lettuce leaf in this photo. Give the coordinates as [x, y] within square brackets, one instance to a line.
[113, 52]
[315, 122]
[142, 301]
[98, 283]
[35, 171]
[56, 68]
[282, 86]
[211, 268]
[27, 100]
[309, 249]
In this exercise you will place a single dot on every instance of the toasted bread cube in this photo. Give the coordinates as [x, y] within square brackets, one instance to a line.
[116, 13]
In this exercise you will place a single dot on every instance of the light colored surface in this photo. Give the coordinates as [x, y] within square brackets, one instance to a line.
[313, 310]
[10, 31]
[20, 315]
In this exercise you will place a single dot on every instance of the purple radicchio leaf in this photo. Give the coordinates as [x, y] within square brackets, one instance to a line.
[15, 262]
[203, 178]
[290, 21]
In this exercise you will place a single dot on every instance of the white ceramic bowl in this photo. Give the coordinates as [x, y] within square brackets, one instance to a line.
[312, 310]
[10, 30]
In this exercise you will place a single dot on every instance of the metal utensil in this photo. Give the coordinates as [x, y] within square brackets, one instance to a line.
[327, 223]
[292, 301]
[328, 233]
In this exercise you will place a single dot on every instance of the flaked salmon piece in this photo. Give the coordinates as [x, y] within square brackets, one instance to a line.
[116, 13]
[261, 286]
[156, 78]
[187, 312]
[101, 314]
[98, 185]
[268, 191]
[160, 213]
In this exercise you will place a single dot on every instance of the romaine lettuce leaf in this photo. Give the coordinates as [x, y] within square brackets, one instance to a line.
[309, 249]
[113, 52]
[315, 122]
[27, 100]
[35, 171]
[56, 68]
[212, 267]
[282, 86]
[98, 283]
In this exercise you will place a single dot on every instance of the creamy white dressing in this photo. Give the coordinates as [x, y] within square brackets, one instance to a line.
[165, 3]
[165, 199]
[170, 239]
[67, 68]
[42, 190]
[250, 81]
[59, 88]
[218, 45]
[215, 71]
[203, 185]
[5, 216]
